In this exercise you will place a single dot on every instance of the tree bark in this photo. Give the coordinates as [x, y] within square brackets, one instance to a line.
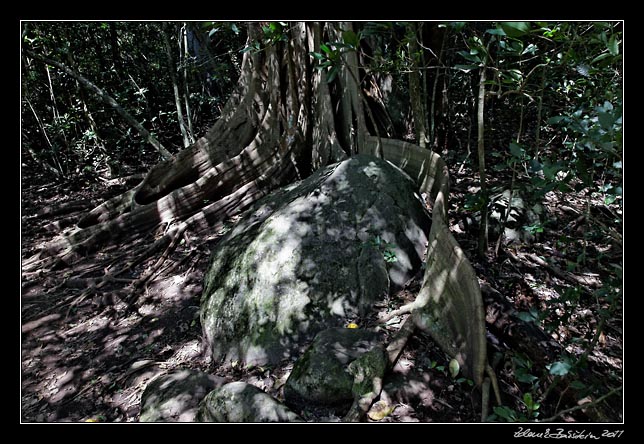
[106, 98]
[483, 238]
[175, 87]
[183, 48]
[415, 94]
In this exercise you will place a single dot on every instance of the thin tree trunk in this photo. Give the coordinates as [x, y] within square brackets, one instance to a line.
[432, 113]
[106, 98]
[59, 171]
[415, 91]
[186, 90]
[175, 86]
[537, 134]
[482, 246]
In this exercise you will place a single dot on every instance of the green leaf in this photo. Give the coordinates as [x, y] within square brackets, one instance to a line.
[522, 375]
[325, 48]
[600, 57]
[606, 120]
[505, 413]
[559, 368]
[516, 150]
[613, 45]
[333, 72]
[454, 368]
[496, 31]
[234, 28]
[515, 29]
[471, 57]
[390, 256]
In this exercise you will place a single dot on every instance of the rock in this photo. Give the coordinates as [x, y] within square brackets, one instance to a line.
[242, 402]
[175, 397]
[313, 255]
[322, 376]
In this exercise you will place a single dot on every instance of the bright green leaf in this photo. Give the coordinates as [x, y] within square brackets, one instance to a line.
[609, 199]
[613, 45]
[454, 368]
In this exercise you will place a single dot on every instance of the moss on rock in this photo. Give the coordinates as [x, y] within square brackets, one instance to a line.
[300, 260]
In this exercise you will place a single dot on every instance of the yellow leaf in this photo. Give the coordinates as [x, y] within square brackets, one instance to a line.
[379, 410]
[454, 368]
[352, 325]
[92, 420]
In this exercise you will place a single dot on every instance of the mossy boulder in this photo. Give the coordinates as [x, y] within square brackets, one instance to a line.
[242, 402]
[313, 255]
[322, 376]
[175, 397]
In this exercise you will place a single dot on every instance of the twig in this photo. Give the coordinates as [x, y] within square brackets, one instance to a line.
[582, 406]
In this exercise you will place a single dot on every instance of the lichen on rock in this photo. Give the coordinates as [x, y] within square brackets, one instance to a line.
[304, 259]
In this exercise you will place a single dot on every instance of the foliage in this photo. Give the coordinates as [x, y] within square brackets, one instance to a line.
[78, 135]
[554, 124]
[387, 249]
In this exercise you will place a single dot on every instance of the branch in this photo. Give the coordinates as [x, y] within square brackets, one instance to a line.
[582, 406]
[105, 98]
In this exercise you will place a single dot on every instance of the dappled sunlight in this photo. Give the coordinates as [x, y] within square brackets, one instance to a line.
[291, 274]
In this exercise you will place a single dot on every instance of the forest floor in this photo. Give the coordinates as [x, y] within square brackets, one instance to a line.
[90, 346]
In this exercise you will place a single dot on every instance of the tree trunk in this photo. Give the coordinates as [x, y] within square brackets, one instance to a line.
[183, 51]
[175, 87]
[482, 247]
[279, 125]
[415, 94]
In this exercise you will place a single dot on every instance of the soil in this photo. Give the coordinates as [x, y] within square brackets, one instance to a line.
[89, 350]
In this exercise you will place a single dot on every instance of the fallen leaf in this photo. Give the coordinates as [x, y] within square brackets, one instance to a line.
[380, 410]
